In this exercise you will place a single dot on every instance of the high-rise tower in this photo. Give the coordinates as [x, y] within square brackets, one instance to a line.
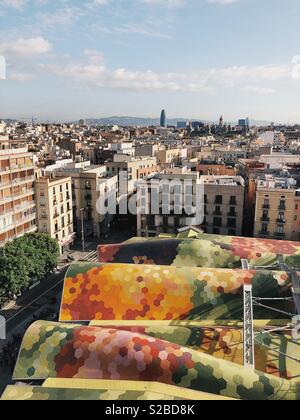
[163, 119]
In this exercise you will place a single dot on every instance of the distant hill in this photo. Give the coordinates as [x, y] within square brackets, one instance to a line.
[138, 121]
[8, 120]
[129, 121]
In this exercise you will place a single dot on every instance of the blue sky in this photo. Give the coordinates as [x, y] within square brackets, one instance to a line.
[69, 59]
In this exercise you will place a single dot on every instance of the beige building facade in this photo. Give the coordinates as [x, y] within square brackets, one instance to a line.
[54, 210]
[174, 188]
[89, 184]
[17, 203]
[136, 168]
[223, 204]
[277, 210]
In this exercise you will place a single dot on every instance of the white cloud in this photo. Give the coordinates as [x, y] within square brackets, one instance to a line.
[94, 71]
[165, 3]
[15, 4]
[25, 48]
[222, 1]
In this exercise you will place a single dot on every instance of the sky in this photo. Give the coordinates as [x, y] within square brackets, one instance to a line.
[71, 59]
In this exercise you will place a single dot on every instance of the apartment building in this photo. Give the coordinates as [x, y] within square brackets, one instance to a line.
[143, 150]
[168, 190]
[17, 203]
[167, 157]
[214, 168]
[54, 210]
[136, 168]
[278, 160]
[277, 208]
[228, 155]
[224, 204]
[122, 148]
[89, 183]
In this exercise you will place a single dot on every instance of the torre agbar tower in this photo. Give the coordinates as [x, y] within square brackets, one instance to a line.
[163, 118]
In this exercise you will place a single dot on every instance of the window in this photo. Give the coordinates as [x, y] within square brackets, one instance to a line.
[282, 204]
[265, 215]
[233, 200]
[280, 230]
[218, 210]
[231, 223]
[217, 221]
[232, 212]
[219, 199]
[264, 228]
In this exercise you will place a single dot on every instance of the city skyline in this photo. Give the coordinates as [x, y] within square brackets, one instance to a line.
[68, 60]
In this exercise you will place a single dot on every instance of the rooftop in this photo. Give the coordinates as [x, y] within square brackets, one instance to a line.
[224, 180]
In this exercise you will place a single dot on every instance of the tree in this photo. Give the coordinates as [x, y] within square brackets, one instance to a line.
[26, 259]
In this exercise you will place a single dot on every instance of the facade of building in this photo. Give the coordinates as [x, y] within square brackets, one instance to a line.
[224, 204]
[89, 183]
[143, 150]
[17, 202]
[163, 220]
[166, 157]
[55, 210]
[277, 209]
[214, 168]
[136, 168]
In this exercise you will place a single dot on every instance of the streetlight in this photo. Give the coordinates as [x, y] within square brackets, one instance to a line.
[82, 228]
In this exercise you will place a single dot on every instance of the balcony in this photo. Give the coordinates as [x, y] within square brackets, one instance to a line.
[282, 207]
[5, 184]
[264, 233]
[265, 219]
[281, 221]
[266, 206]
[7, 227]
[218, 213]
[230, 226]
[280, 235]
[18, 181]
[234, 215]
[17, 223]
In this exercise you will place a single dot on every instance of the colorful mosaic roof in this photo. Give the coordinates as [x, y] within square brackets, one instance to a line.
[210, 251]
[165, 321]
[91, 390]
[51, 350]
[141, 292]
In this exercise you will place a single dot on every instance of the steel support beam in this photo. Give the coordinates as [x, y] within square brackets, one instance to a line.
[249, 356]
